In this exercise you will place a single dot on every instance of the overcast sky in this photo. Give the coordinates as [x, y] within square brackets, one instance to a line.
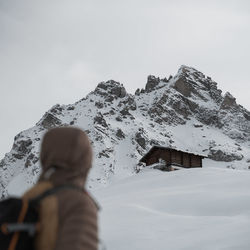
[57, 51]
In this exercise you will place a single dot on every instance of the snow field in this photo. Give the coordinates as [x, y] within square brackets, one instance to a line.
[205, 208]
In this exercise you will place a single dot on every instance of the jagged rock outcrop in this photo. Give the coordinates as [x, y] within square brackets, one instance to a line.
[21, 148]
[223, 155]
[152, 82]
[228, 102]
[141, 138]
[49, 121]
[99, 119]
[110, 90]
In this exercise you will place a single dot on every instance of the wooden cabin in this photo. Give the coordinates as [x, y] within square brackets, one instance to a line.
[172, 159]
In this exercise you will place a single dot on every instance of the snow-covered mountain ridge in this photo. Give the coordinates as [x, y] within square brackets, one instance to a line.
[186, 111]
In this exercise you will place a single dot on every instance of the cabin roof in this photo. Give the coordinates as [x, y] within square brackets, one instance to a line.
[168, 148]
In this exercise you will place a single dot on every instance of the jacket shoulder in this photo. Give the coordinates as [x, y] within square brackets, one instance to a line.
[74, 199]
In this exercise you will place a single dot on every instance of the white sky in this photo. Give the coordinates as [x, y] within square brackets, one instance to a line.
[57, 51]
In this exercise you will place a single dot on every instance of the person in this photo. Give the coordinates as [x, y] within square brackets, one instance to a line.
[68, 218]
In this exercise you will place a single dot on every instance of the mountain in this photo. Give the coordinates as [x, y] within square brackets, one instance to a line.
[186, 111]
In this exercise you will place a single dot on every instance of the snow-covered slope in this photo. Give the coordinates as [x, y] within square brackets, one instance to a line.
[199, 209]
[186, 111]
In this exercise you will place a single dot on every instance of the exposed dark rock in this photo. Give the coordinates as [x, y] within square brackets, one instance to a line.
[105, 153]
[31, 160]
[128, 103]
[198, 125]
[111, 88]
[102, 85]
[164, 80]
[137, 92]
[180, 106]
[99, 105]
[247, 115]
[215, 93]
[185, 87]
[109, 99]
[182, 87]
[208, 116]
[140, 139]
[119, 91]
[171, 141]
[71, 107]
[2, 163]
[49, 121]
[125, 112]
[57, 109]
[22, 148]
[168, 116]
[192, 105]
[99, 119]
[154, 142]
[158, 120]
[19, 135]
[120, 134]
[152, 82]
[228, 102]
[119, 119]
[219, 155]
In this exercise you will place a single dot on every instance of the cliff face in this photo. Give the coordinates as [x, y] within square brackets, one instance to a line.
[186, 111]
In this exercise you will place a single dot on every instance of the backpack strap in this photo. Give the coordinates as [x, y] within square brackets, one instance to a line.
[56, 189]
[30, 228]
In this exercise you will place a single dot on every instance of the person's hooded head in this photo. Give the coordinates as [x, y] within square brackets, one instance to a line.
[66, 156]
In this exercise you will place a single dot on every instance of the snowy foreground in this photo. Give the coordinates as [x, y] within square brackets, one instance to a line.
[205, 208]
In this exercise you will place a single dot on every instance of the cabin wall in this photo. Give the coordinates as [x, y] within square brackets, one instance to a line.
[172, 156]
[186, 160]
[176, 157]
[157, 155]
[195, 161]
[166, 156]
[152, 159]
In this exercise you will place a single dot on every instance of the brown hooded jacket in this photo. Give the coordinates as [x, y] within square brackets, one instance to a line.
[68, 219]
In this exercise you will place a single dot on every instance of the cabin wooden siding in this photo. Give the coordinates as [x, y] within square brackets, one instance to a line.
[159, 154]
[187, 160]
[176, 157]
[195, 161]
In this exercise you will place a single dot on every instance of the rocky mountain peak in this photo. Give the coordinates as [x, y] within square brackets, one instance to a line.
[187, 71]
[186, 111]
[191, 82]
